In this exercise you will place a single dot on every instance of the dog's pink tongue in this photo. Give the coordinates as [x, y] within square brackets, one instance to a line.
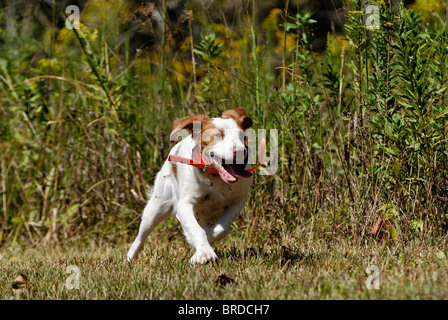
[227, 177]
[237, 170]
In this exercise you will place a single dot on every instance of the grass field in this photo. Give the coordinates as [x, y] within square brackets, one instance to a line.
[362, 138]
[301, 268]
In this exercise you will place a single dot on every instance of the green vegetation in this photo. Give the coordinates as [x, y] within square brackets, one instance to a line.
[85, 122]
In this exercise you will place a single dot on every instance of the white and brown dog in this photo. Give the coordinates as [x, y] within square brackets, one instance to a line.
[205, 201]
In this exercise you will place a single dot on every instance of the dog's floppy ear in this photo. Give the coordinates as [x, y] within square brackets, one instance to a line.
[184, 123]
[240, 117]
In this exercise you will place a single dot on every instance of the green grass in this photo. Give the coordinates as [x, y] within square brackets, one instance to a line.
[300, 269]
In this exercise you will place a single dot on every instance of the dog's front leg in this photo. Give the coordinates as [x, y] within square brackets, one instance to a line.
[194, 234]
[221, 228]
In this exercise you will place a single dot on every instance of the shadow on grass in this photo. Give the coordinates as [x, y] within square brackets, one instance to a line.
[281, 255]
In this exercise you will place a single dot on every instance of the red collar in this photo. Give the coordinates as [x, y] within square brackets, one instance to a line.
[199, 161]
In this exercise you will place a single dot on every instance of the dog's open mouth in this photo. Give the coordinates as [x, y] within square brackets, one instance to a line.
[230, 172]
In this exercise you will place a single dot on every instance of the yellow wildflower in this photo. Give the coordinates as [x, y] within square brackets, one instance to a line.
[270, 23]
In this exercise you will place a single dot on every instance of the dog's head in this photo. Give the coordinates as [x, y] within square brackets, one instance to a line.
[221, 140]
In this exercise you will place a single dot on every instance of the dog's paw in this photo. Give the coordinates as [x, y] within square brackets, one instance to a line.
[203, 256]
[132, 253]
[129, 258]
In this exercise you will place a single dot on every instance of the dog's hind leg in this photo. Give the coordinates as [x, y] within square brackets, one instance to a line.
[156, 211]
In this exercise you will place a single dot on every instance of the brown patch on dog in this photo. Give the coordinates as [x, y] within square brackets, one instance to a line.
[187, 123]
[174, 169]
[208, 131]
[240, 117]
[210, 134]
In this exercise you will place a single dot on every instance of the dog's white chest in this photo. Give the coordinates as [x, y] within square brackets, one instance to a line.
[210, 208]
[212, 205]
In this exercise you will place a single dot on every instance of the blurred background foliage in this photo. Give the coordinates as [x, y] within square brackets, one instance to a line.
[361, 113]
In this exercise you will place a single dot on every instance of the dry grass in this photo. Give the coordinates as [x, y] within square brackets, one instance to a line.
[317, 269]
